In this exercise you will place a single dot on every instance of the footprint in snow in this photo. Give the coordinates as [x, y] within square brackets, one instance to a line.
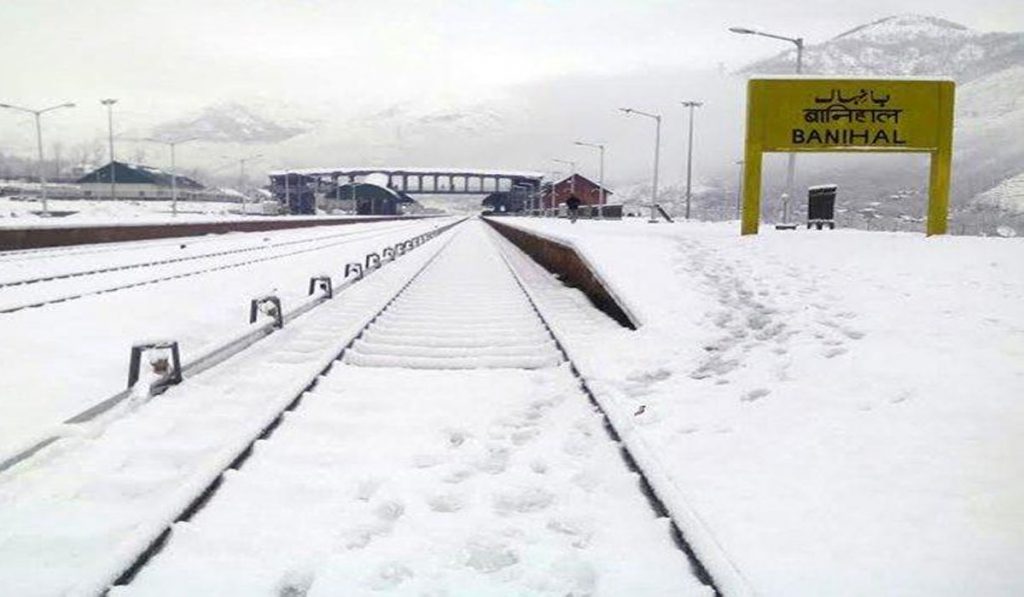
[902, 396]
[521, 437]
[587, 480]
[295, 583]
[446, 502]
[457, 437]
[389, 510]
[757, 394]
[487, 555]
[457, 476]
[523, 500]
[570, 576]
[366, 488]
[852, 333]
[360, 536]
[495, 461]
[653, 376]
[580, 529]
[389, 576]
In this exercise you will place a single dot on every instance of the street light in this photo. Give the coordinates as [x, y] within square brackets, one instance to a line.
[241, 174]
[600, 182]
[555, 174]
[657, 154]
[791, 159]
[174, 169]
[109, 103]
[39, 142]
[689, 153]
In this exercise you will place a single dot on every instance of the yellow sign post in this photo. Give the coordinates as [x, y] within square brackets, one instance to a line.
[850, 115]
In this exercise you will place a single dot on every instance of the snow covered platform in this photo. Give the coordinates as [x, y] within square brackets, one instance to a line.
[57, 232]
[825, 413]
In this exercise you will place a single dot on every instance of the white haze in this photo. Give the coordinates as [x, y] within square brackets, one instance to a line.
[381, 82]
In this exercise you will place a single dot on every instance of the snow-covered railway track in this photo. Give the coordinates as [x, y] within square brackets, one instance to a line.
[250, 246]
[448, 448]
[451, 449]
[64, 288]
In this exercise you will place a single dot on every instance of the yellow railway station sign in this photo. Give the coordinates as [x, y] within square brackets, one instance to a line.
[812, 114]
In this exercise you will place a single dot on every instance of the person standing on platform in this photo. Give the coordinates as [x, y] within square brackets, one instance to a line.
[573, 203]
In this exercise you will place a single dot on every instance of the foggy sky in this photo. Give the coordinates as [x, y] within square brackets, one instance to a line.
[162, 59]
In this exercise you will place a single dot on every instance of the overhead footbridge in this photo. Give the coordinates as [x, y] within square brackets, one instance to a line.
[411, 181]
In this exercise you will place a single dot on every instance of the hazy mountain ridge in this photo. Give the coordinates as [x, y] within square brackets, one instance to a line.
[230, 122]
[905, 45]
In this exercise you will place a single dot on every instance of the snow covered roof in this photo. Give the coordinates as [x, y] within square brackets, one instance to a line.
[137, 174]
[564, 179]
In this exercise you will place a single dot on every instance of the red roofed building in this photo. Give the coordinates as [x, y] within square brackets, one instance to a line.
[586, 190]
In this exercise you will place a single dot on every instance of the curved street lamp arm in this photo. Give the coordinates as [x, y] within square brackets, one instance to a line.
[641, 112]
[19, 108]
[57, 107]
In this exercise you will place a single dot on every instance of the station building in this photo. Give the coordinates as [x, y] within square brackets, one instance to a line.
[586, 190]
[139, 182]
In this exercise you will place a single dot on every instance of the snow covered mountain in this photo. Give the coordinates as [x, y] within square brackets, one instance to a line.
[906, 45]
[230, 123]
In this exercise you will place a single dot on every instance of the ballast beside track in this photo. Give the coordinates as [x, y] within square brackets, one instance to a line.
[450, 446]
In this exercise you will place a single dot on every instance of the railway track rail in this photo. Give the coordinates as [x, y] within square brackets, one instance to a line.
[456, 316]
[75, 295]
[215, 254]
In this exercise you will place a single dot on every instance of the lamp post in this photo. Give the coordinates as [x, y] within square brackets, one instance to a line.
[600, 179]
[287, 192]
[39, 142]
[109, 103]
[689, 153]
[174, 169]
[791, 159]
[554, 179]
[657, 154]
[241, 175]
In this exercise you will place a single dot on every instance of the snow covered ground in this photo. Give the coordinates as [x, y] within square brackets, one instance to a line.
[23, 212]
[823, 413]
[60, 358]
[835, 413]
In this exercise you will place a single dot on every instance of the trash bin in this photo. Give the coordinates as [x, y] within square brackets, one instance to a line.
[821, 206]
